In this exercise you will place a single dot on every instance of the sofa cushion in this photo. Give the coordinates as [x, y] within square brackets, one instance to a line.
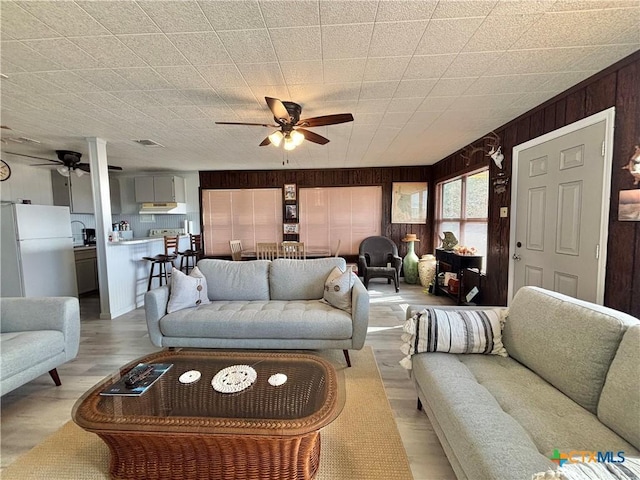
[568, 342]
[490, 444]
[22, 350]
[496, 410]
[187, 291]
[310, 319]
[337, 288]
[619, 406]
[227, 280]
[301, 279]
[552, 420]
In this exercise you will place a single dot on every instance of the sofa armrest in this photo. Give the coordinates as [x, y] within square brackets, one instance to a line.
[155, 307]
[44, 313]
[359, 313]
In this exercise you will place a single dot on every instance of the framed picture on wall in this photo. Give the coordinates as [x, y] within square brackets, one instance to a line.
[290, 191]
[291, 212]
[291, 228]
[629, 206]
[409, 202]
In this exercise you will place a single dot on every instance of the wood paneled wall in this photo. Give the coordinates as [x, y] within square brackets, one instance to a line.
[616, 86]
[336, 178]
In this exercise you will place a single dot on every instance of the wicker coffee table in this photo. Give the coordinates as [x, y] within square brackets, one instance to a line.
[191, 431]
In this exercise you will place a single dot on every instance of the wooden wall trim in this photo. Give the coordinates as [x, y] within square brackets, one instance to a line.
[383, 176]
[616, 86]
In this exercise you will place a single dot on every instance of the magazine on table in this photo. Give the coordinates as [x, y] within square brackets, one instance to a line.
[122, 388]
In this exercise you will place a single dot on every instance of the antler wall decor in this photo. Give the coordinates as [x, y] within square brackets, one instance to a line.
[495, 150]
[633, 165]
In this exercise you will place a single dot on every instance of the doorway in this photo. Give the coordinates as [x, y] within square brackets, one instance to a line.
[560, 209]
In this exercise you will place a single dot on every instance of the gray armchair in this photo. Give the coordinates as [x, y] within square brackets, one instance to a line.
[374, 256]
[37, 335]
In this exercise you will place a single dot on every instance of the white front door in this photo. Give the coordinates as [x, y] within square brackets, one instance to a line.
[560, 204]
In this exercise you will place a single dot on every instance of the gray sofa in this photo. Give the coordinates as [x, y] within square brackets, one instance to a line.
[570, 383]
[37, 335]
[262, 304]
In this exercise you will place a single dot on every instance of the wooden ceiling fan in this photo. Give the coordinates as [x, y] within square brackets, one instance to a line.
[292, 130]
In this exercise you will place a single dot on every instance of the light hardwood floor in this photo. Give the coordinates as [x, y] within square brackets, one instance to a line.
[32, 412]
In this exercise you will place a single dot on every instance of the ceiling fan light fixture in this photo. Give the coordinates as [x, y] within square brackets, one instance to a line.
[296, 137]
[276, 138]
[289, 144]
[64, 171]
[79, 172]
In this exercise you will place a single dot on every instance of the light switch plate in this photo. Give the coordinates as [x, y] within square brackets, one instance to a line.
[504, 212]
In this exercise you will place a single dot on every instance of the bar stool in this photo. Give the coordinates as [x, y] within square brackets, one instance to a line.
[191, 256]
[170, 254]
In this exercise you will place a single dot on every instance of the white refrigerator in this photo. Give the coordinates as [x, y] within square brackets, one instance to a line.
[36, 252]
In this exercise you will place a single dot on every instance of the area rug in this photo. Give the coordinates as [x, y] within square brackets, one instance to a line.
[363, 443]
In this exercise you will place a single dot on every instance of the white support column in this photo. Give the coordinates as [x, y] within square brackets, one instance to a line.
[102, 207]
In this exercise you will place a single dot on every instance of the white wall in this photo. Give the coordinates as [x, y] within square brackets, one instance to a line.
[26, 182]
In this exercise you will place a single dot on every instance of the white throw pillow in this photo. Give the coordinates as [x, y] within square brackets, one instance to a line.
[187, 291]
[337, 288]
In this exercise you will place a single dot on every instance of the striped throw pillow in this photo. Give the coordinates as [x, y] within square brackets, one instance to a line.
[453, 331]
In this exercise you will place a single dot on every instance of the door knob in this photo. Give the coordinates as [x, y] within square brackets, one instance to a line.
[516, 257]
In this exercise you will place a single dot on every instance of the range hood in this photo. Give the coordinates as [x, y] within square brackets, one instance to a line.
[166, 207]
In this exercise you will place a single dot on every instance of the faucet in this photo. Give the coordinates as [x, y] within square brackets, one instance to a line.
[84, 227]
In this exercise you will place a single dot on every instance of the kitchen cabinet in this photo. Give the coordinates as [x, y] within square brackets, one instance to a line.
[159, 189]
[73, 192]
[86, 269]
[116, 198]
[77, 193]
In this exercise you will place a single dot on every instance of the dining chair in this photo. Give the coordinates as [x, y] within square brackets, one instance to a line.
[293, 250]
[236, 250]
[338, 248]
[267, 251]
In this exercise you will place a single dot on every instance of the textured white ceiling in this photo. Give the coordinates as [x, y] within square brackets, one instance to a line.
[422, 78]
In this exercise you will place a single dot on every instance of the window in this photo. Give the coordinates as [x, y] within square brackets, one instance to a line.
[463, 205]
[347, 214]
[251, 216]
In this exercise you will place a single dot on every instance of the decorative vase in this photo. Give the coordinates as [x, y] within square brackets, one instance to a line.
[410, 264]
[427, 270]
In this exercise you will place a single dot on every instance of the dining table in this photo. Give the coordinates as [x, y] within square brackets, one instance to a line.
[310, 253]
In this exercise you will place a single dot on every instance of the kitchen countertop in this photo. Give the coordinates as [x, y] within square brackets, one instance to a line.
[84, 247]
[139, 240]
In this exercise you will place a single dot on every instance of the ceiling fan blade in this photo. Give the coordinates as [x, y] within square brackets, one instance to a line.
[32, 156]
[43, 164]
[326, 120]
[278, 109]
[85, 167]
[265, 142]
[244, 123]
[313, 137]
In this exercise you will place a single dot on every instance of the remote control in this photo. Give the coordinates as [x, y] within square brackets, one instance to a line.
[137, 374]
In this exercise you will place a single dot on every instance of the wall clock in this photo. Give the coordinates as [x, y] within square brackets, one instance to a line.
[5, 171]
